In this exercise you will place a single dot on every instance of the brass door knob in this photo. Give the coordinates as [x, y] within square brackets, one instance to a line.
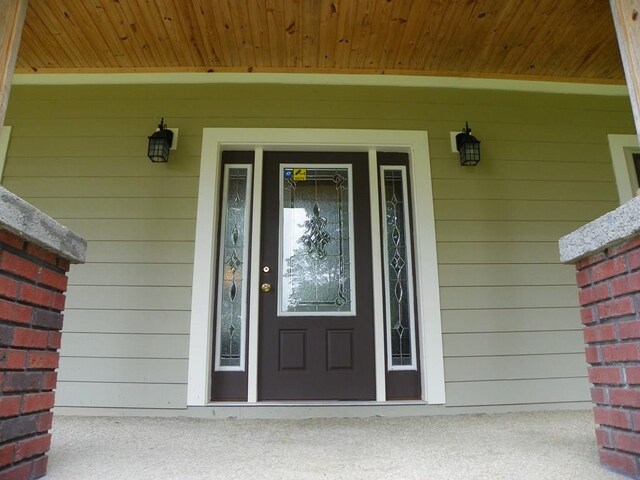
[265, 287]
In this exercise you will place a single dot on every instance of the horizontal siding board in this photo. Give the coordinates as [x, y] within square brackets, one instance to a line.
[129, 298]
[506, 275]
[517, 392]
[119, 208]
[508, 297]
[485, 189]
[515, 367]
[512, 343]
[503, 231]
[511, 320]
[480, 252]
[122, 345]
[111, 187]
[135, 274]
[132, 229]
[122, 370]
[140, 252]
[126, 321]
[121, 395]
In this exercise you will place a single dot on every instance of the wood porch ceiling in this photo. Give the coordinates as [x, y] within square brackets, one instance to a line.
[561, 40]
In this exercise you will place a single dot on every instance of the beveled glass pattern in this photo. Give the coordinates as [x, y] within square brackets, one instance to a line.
[316, 242]
[232, 296]
[398, 287]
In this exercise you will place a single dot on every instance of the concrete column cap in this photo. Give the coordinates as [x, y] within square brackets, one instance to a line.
[26, 221]
[610, 229]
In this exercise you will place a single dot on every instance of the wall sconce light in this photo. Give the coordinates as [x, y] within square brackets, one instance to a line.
[159, 144]
[468, 146]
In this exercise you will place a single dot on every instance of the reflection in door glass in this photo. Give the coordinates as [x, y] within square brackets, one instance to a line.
[233, 268]
[316, 236]
[397, 263]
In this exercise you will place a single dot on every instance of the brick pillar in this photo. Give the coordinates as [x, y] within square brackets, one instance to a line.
[35, 253]
[606, 254]
[32, 284]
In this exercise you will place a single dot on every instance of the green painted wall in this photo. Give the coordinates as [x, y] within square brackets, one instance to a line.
[512, 333]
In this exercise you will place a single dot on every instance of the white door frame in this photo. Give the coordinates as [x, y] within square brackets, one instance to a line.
[214, 141]
[619, 145]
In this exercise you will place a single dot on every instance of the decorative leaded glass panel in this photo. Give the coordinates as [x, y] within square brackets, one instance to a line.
[316, 241]
[397, 259]
[232, 286]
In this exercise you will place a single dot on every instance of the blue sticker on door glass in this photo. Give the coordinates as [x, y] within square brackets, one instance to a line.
[288, 173]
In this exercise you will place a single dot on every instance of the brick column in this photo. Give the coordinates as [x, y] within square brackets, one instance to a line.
[32, 285]
[606, 254]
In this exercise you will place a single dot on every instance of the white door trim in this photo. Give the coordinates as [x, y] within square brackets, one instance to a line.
[259, 139]
[618, 146]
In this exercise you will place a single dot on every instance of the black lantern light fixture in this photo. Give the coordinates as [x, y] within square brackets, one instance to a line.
[160, 143]
[468, 146]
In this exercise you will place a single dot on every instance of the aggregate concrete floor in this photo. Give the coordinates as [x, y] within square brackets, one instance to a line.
[541, 445]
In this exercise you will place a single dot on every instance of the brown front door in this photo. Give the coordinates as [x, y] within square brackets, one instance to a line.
[316, 338]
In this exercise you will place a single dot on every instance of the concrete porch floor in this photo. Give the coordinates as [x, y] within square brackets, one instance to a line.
[541, 445]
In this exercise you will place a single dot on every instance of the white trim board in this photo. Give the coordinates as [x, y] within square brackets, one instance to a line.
[5, 135]
[619, 146]
[260, 139]
[319, 79]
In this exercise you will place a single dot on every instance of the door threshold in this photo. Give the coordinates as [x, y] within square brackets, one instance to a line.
[317, 403]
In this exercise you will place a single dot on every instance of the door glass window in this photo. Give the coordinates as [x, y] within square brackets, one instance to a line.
[399, 295]
[232, 270]
[316, 241]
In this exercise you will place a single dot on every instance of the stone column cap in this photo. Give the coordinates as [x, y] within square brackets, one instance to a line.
[610, 229]
[26, 221]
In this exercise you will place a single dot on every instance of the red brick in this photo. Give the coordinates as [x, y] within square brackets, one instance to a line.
[11, 359]
[33, 446]
[621, 352]
[608, 269]
[592, 354]
[604, 438]
[583, 277]
[590, 260]
[55, 339]
[629, 330]
[600, 333]
[10, 405]
[17, 427]
[19, 472]
[625, 284]
[35, 295]
[6, 454]
[606, 375]
[64, 264]
[621, 462]
[627, 397]
[612, 417]
[6, 335]
[8, 288]
[586, 315]
[616, 308]
[632, 375]
[627, 441]
[624, 247]
[44, 422]
[22, 381]
[19, 266]
[36, 402]
[14, 312]
[47, 319]
[594, 294]
[27, 337]
[10, 239]
[633, 258]
[43, 360]
[41, 253]
[50, 381]
[58, 302]
[53, 279]
[39, 467]
[600, 395]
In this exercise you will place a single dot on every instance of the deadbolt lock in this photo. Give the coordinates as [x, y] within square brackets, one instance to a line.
[265, 287]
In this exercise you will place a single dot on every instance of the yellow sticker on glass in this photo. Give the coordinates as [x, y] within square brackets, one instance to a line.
[299, 174]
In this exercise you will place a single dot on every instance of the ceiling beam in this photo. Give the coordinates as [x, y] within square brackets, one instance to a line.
[12, 14]
[626, 16]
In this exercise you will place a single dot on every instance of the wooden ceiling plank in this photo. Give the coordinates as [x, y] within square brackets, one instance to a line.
[203, 35]
[39, 41]
[293, 32]
[362, 32]
[12, 15]
[242, 29]
[393, 41]
[380, 25]
[149, 17]
[276, 33]
[416, 27]
[346, 14]
[183, 30]
[259, 36]
[328, 32]
[310, 13]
